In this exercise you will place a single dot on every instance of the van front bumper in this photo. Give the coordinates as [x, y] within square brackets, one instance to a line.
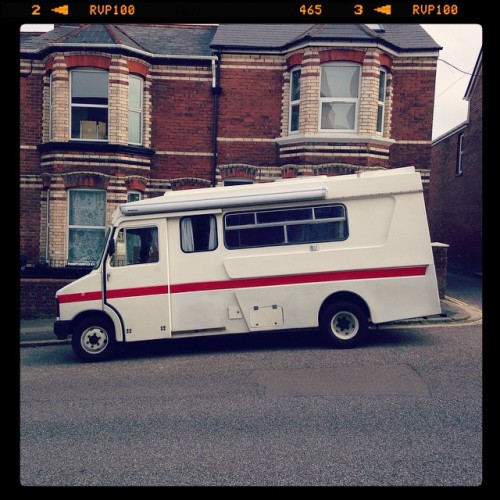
[62, 329]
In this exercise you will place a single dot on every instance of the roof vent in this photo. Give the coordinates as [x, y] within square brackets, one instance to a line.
[378, 28]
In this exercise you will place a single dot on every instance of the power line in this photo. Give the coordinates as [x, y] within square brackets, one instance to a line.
[458, 69]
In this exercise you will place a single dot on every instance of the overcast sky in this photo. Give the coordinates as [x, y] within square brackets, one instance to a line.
[461, 45]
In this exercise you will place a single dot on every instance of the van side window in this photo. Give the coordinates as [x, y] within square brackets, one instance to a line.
[291, 226]
[198, 233]
[136, 245]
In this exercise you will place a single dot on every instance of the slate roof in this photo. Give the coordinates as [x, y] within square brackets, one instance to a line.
[149, 39]
[401, 37]
[156, 40]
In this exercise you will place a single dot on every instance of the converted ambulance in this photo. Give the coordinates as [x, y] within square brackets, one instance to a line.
[332, 253]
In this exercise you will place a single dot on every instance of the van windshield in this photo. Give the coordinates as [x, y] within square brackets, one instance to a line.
[106, 240]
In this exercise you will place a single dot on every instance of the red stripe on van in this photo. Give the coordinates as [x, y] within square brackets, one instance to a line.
[137, 292]
[79, 297]
[296, 279]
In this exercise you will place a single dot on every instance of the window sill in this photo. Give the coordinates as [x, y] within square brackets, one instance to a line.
[94, 146]
[346, 138]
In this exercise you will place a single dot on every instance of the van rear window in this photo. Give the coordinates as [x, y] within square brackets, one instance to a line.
[289, 226]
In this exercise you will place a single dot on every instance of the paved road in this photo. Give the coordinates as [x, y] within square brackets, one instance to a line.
[406, 410]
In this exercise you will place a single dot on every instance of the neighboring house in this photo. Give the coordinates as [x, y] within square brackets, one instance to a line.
[111, 113]
[455, 192]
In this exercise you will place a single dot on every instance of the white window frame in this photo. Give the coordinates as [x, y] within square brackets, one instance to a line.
[139, 111]
[93, 106]
[294, 102]
[354, 100]
[381, 102]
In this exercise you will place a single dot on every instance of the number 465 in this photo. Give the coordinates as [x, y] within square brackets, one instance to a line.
[311, 10]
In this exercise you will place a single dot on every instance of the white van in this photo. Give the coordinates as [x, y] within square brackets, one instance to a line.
[335, 253]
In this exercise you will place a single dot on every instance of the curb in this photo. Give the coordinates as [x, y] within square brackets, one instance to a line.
[38, 343]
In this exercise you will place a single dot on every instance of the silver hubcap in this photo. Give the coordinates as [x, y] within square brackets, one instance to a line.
[94, 340]
[344, 325]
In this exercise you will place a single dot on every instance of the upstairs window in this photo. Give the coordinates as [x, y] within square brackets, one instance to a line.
[294, 99]
[381, 100]
[135, 86]
[89, 104]
[339, 96]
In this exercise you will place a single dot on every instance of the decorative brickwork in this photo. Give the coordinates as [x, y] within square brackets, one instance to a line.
[189, 183]
[238, 171]
[85, 179]
[136, 183]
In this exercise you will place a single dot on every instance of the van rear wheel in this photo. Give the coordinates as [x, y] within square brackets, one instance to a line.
[93, 339]
[345, 324]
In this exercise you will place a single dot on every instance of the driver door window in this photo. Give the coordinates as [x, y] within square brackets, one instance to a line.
[136, 245]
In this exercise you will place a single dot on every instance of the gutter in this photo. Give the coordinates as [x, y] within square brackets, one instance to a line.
[65, 47]
[216, 90]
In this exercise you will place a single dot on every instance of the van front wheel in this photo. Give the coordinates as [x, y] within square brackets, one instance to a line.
[345, 324]
[94, 339]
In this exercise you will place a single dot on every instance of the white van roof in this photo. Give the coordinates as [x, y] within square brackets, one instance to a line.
[398, 180]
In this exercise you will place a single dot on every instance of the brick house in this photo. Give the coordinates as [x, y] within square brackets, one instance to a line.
[111, 113]
[455, 190]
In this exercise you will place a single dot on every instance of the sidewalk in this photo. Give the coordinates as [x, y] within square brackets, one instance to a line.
[40, 332]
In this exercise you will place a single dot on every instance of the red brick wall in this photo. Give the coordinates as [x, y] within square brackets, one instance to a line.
[29, 226]
[404, 155]
[253, 153]
[37, 297]
[30, 135]
[31, 108]
[455, 214]
[413, 105]
[182, 122]
[412, 114]
[249, 108]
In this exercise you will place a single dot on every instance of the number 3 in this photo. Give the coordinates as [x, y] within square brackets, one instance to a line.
[358, 9]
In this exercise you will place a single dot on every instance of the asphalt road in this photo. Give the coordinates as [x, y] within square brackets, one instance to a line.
[260, 410]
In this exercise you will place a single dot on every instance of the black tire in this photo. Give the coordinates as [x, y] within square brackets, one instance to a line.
[94, 339]
[345, 324]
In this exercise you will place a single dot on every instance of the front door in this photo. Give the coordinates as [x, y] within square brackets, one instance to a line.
[136, 282]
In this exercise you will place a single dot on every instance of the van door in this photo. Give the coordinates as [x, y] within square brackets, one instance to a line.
[136, 281]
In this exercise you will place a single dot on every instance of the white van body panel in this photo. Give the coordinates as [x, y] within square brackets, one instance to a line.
[385, 259]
